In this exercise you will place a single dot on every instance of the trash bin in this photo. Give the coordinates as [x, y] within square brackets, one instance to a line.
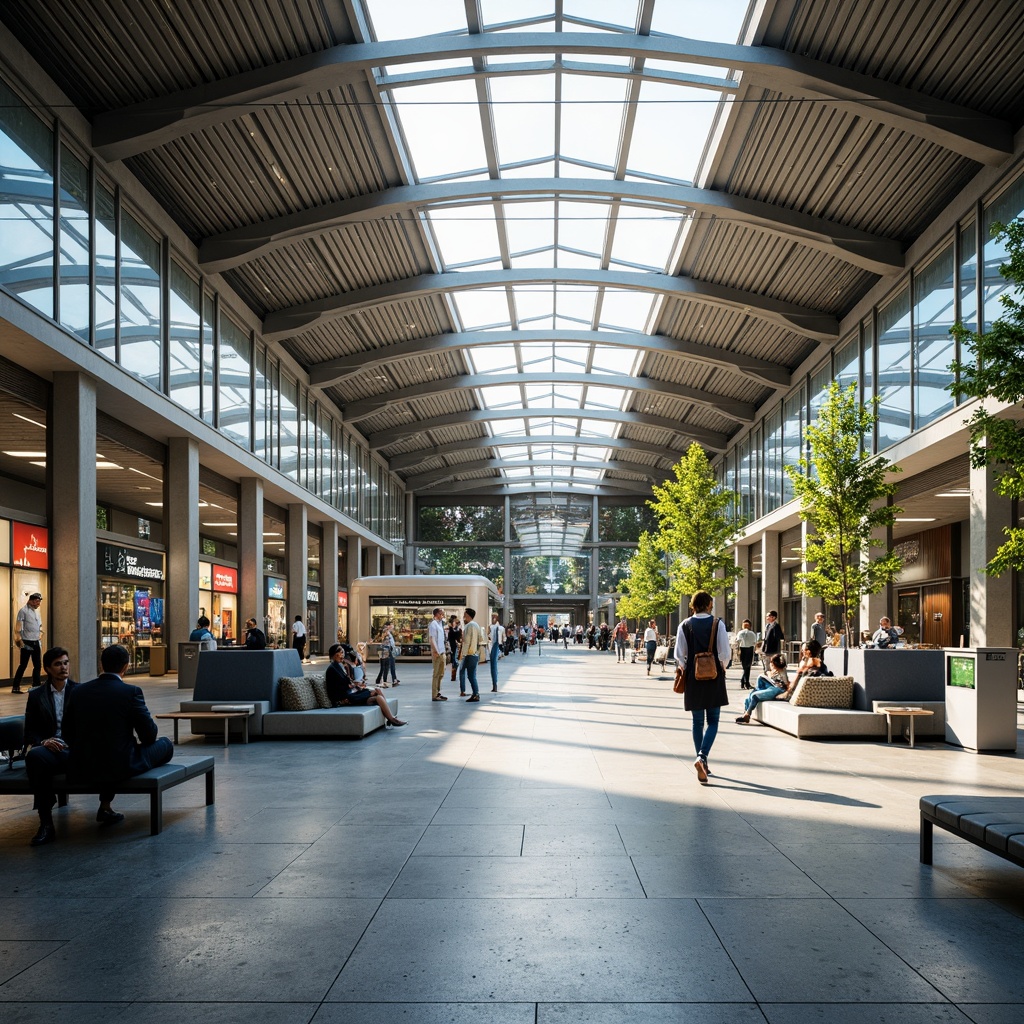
[188, 663]
[157, 661]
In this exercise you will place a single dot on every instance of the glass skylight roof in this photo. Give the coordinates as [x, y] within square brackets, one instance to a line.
[553, 115]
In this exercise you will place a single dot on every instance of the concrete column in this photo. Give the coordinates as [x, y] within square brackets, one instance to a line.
[991, 596]
[771, 594]
[387, 567]
[354, 560]
[372, 559]
[507, 584]
[181, 525]
[409, 554]
[328, 583]
[741, 559]
[808, 605]
[298, 561]
[250, 552]
[71, 487]
[874, 606]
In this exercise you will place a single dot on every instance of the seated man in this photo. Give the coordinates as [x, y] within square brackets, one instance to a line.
[101, 720]
[255, 638]
[886, 636]
[44, 716]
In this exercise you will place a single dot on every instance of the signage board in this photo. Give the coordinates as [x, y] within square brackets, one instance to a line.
[30, 546]
[129, 563]
[225, 580]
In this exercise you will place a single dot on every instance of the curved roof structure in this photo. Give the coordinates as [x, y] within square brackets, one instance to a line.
[544, 243]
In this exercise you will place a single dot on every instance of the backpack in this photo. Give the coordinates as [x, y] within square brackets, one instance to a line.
[705, 663]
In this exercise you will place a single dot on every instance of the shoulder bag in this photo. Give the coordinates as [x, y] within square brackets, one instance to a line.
[705, 663]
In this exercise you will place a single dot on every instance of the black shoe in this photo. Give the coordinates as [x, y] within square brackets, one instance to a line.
[46, 834]
[398, 722]
[494, 689]
[16, 689]
[474, 699]
[108, 817]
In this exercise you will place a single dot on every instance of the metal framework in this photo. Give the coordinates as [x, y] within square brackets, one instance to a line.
[434, 477]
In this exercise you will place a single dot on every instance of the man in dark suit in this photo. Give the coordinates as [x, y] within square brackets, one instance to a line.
[44, 714]
[771, 640]
[101, 720]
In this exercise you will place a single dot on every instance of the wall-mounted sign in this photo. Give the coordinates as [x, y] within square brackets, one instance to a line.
[313, 596]
[129, 563]
[417, 602]
[225, 580]
[275, 589]
[342, 598]
[31, 546]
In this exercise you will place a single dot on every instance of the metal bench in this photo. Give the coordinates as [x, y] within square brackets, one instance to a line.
[154, 782]
[995, 823]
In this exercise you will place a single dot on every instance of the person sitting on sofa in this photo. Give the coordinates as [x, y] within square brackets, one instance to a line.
[255, 638]
[811, 664]
[346, 683]
[769, 687]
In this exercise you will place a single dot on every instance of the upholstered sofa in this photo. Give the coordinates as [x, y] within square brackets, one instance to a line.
[821, 708]
[255, 677]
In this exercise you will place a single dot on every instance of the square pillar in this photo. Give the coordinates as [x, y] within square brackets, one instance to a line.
[771, 594]
[71, 490]
[387, 563]
[328, 583]
[874, 606]
[298, 562]
[991, 596]
[741, 559]
[250, 551]
[354, 560]
[372, 555]
[181, 519]
[808, 605]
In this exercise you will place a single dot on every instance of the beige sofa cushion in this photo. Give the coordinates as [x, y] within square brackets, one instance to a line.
[297, 694]
[824, 692]
[320, 690]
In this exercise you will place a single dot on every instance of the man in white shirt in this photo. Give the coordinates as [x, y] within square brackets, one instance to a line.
[496, 640]
[746, 640]
[299, 637]
[438, 646]
[28, 635]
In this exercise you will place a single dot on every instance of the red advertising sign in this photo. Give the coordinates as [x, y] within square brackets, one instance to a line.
[342, 598]
[225, 580]
[31, 546]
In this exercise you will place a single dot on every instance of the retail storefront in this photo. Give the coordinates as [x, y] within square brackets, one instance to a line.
[278, 627]
[313, 645]
[24, 565]
[131, 600]
[218, 600]
[342, 616]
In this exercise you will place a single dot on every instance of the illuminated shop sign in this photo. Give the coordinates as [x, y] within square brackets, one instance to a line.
[31, 546]
[342, 598]
[313, 596]
[275, 589]
[225, 580]
[129, 563]
[418, 602]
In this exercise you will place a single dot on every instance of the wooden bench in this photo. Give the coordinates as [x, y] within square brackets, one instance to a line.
[154, 782]
[995, 823]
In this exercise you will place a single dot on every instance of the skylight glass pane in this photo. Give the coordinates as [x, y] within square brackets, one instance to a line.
[400, 21]
[604, 398]
[645, 236]
[626, 310]
[482, 308]
[465, 234]
[697, 19]
[570, 358]
[576, 261]
[558, 428]
[422, 68]
[576, 302]
[508, 427]
[534, 300]
[523, 109]
[537, 323]
[608, 359]
[571, 169]
[493, 358]
[500, 396]
[537, 356]
[586, 474]
[496, 12]
[442, 126]
[598, 428]
[544, 169]
[513, 451]
[672, 125]
[518, 474]
[529, 225]
[612, 12]
[545, 259]
[582, 225]
[591, 116]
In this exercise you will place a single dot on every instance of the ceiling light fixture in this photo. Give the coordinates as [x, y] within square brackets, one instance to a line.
[28, 419]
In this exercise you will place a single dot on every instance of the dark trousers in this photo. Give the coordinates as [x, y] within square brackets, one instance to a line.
[746, 660]
[299, 643]
[29, 649]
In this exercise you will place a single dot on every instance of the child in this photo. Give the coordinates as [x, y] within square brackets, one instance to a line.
[769, 687]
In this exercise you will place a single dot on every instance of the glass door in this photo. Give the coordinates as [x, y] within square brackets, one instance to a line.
[908, 615]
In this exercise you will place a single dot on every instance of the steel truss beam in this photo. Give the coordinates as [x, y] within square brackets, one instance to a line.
[334, 370]
[414, 459]
[434, 477]
[712, 440]
[241, 245]
[543, 486]
[128, 131]
[741, 412]
[295, 320]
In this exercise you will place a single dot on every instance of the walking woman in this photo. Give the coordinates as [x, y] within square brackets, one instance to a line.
[651, 642]
[704, 698]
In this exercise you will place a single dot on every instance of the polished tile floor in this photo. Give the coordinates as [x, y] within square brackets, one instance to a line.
[544, 856]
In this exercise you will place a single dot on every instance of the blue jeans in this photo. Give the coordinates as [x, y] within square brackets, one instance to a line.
[704, 738]
[494, 665]
[468, 668]
[765, 691]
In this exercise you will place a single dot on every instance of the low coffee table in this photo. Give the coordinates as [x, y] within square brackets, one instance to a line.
[243, 712]
[910, 713]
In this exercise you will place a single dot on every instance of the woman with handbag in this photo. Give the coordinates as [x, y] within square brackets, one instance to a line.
[386, 655]
[702, 655]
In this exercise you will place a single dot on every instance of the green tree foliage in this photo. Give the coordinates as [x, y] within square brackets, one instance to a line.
[645, 591]
[697, 525]
[461, 522]
[842, 492]
[622, 522]
[996, 372]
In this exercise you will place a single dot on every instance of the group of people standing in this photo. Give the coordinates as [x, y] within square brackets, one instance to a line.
[462, 646]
